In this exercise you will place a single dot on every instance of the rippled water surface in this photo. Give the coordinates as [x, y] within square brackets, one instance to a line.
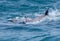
[47, 30]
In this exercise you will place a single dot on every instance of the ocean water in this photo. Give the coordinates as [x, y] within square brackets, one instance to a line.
[47, 30]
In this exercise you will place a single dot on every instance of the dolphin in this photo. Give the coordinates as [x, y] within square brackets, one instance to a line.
[30, 21]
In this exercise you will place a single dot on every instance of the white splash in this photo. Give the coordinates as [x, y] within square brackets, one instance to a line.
[54, 15]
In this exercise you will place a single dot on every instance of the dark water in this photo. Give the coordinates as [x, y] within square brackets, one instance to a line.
[47, 30]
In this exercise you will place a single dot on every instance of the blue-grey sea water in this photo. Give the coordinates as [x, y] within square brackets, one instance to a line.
[47, 30]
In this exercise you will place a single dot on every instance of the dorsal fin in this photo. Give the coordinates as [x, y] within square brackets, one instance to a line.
[46, 13]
